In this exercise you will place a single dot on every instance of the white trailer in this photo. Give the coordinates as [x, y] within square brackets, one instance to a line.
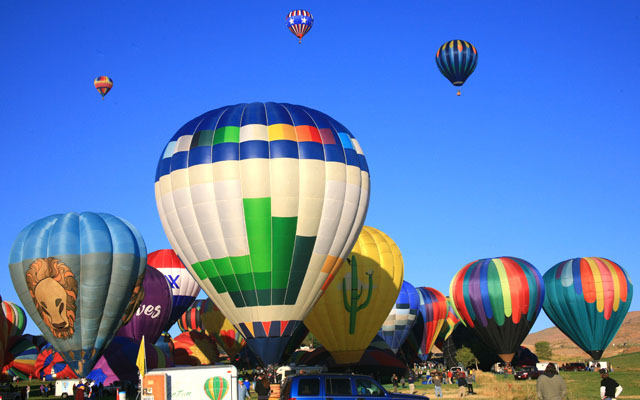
[64, 387]
[219, 382]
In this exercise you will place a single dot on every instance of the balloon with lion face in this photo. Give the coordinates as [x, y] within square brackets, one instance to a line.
[77, 275]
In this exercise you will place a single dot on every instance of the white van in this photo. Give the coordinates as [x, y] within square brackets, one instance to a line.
[191, 383]
[64, 387]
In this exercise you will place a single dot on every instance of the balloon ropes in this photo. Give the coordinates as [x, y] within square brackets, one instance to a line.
[588, 298]
[456, 60]
[263, 203]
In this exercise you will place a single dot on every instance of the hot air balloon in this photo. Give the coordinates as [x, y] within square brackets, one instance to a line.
[50, 365]
[205, 317]
[299, 23]
[457, 59]
[216, 387]
[4, 331]
[20, 360]
[118, 363]
[411, 347]
[16, 321]
[588, 298]
[263, 202]
[154, 310]
[184, 288]
[194, 348]
[433, 307]
[75, 274]
[103, 84]
[449, 325]
[499, 298]
[354, 306]
[400, 320]
[165, 343]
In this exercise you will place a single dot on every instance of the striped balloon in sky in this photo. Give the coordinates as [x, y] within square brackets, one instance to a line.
[433, 307]
[402, 316]
[588, 298]
[456, 60]
[184, 288]
[500, 298]
[299, 23]
[263, 202]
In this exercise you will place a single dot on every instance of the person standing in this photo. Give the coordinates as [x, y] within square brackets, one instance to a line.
[412, 384]
[80, 391]
[263, 388]
[449, 377]
[242, 390]
[394, 382]
[609, 388]
[550, 385]
[462, 384]
[27, 391]
[437, 384]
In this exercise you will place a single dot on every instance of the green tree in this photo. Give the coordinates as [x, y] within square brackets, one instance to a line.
[543, 350]
[465, 356]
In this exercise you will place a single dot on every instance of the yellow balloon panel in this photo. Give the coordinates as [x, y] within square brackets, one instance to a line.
[351, 311]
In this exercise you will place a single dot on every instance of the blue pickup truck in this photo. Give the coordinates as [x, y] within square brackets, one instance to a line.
[338, 387]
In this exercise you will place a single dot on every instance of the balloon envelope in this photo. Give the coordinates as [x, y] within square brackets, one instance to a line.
[456, 60]
[75, 275]
[263, 202]
[50, 365]
[588, 298]
[16, 321]
[103, 84]
[154, 311]
[194, 348]
[299, 22]
[118, 363]
[433, 307]
[500, 298]
[350, 313]
[205, 317]
[401, 318]
[21, 358]
[184, 288]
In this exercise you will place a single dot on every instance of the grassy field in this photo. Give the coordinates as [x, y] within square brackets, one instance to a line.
[581, 385]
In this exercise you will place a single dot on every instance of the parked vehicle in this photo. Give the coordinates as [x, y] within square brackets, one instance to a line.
[576, 366]
[8, 392]
[527, 372]
[342, 386]
[286, 371]
[191, 383]
[64, 387]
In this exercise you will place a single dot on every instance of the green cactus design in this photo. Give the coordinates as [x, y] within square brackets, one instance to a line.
[353, 307]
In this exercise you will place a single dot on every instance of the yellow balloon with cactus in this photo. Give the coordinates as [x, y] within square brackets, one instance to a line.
[355, 304]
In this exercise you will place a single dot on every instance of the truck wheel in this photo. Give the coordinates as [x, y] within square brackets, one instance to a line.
[65, 395]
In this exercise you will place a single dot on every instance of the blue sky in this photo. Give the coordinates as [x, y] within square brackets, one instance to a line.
[538, 159]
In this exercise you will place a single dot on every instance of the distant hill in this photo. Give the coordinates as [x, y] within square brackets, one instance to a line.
[626, 341]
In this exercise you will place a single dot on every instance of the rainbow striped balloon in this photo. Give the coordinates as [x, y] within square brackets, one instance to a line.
[263, 202]
[216, 388]
[500, 298]
[588, 298]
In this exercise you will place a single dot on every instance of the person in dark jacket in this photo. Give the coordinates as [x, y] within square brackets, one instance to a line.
[462, 384]
[550, 385]
[609, 388]
[263, 387]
